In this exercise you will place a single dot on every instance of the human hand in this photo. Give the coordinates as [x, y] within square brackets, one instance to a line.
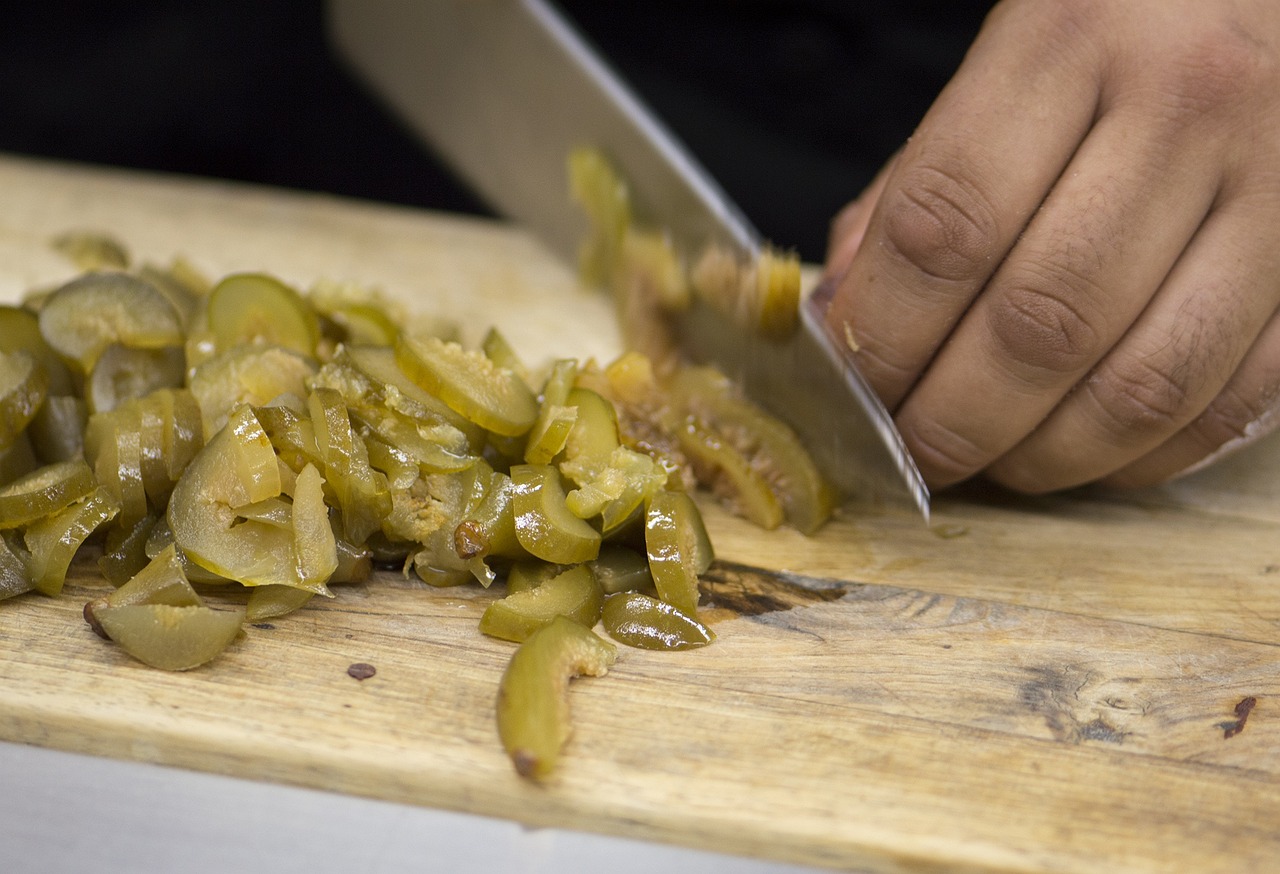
[1071, 272]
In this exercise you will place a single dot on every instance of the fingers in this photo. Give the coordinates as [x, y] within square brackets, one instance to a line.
[1246, 410]
[1170, 366]
[982, 161]
[1082, 273]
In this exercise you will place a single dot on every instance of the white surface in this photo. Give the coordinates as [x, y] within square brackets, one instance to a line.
[64, 812]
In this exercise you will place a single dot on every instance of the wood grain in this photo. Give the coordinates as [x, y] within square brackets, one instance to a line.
[1027, 685]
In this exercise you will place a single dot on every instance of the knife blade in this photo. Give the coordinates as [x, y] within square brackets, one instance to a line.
[504, 90]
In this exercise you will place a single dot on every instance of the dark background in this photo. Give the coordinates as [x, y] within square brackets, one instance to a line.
[792, 106]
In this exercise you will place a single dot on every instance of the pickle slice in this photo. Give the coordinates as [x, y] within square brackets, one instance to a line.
[678, 548]
[15, 570]
[122, 373]
[254, 375]
[91, 250]
[57, 431]
[20, 332]
[162, 580]
[544, 525]
[44, 491]
[82, 318]
[171, 638]
[491, 396]
[23, 384]
[272, 602]
[236, 468]
[54, 540]
[648, 623]
[574, 593]
[254, 308]
[731, 477]
[620, 568]
[362, 493]
[533, 706]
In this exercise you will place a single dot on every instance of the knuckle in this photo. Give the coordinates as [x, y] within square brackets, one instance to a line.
[1216, 69]
[942, 225]
[1233, 416]
[1135, 396]
[1043, 333]
[944, 455]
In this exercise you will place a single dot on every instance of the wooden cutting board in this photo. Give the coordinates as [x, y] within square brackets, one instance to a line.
[1057, 684]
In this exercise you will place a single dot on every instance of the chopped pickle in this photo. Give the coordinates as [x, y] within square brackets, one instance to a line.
[620, 568]
[253, 308]
[525, 575]
[573, 593]
[236, 468]
[595, 428]
[604, 197]
[491, 396]
[731, 476]
[556, 418]
[533, 706]
[246, 375]
[15, 566]
[499, 350]
[23, 384]
[122, 373]
[124, 550]
[242, 432]
[648, 623]
[370, 374]
[82, 318]
[544, 525]
[171, 638]
[272, 602]
[57, 431]
[678, 547]
[314, 543]
[163, 580]
[746, 435]
[44, 491]
[54, 540]
[20, 332]
[89, 250]
[362, 492]
[17, 459]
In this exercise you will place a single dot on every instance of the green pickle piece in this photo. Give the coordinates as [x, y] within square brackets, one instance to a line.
[44, 491]
[260, 309]
[644, 622]
[491, 396]
[544, 525]
[237, 468]
[82, 318]
[533, 707]
[54, 540]
[678, 547]
[163, 580]
[15, 566]
[23, 385]
[20, 332]
[620, 568]
[272, 602]
[171, 638]
[573, 593]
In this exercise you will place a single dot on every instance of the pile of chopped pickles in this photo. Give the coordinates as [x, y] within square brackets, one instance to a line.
[181, 431]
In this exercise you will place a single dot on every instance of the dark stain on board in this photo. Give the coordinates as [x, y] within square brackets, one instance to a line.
[1233, 727]
[750, 591]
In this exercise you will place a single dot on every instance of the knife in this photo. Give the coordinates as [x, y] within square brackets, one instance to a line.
[504, 90]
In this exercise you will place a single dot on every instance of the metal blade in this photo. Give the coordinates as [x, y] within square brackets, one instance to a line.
[504, 90]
